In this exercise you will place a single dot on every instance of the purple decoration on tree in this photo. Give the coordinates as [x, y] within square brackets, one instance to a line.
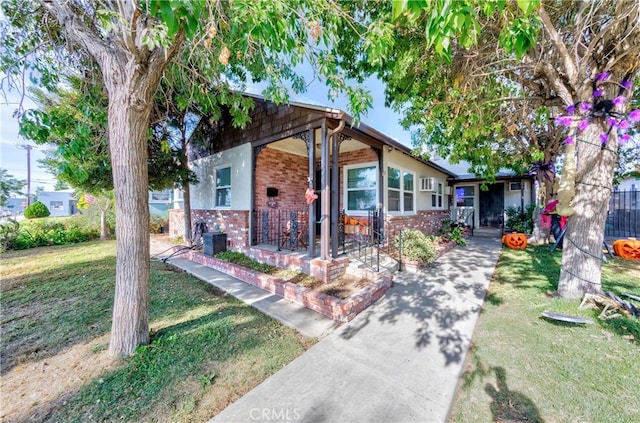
[611, 121]
[602, 76]
[624, 138]
[619, 100]
[583, 124]
[626, 85]
[585, 107]
[598, 93]
[604, 138]
[623, 125]
[571, 109]
[569, 140]
[634, 116]
[564, 121]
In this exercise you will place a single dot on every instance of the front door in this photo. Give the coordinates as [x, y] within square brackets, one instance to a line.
[492, 206]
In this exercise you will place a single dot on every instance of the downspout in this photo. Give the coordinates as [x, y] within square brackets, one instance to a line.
[326, 221]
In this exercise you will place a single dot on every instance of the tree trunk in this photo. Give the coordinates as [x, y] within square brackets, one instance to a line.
[582, 252]
[540, 234]
[187, 215]
[130, 104]
[103, 225]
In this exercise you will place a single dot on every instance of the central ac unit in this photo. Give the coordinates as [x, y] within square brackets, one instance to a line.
[428, 184]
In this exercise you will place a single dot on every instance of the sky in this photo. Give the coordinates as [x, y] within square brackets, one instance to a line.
[13, 157]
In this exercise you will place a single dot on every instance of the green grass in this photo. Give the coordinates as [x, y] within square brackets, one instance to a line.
[207, 348]
[525, 368]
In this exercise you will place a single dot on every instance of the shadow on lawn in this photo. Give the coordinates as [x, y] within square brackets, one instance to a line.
[506, 405]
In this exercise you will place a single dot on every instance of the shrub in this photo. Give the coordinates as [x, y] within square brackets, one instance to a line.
[36, 210]
[452, 231]
[9, 232]
[519, 220]
[416, 246]
[157, 224]
[56, 231]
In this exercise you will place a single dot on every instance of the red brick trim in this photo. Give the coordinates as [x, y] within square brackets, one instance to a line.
[342, 310]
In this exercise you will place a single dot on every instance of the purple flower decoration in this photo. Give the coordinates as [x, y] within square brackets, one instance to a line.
[611, 121]
[623, 125]
[602, 76]
[571, 109]
[564, 121]
[583, 124]
[626, 85]
[624, 138]
[569, 140]
[604, 138]
[598, 93]
[618, 101]
[585, 107]
[634, 116]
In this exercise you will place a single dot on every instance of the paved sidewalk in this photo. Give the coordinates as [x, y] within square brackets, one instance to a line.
[398, 361]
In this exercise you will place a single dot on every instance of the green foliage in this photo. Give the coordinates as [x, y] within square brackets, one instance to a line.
[519, 220]
[9, 185]
[243, 260]
[36, 210]
[44, 232]
[416, 246]
[9, 231]
[452, 231]
[157, 224]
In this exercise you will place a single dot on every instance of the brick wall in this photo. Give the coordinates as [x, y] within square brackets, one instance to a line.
[342, 310]
[235, 223]
[285, 171]
[427, 221]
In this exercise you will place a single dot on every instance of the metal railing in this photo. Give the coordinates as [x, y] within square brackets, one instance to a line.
[364, 238]
[282, 228]
[623, 217]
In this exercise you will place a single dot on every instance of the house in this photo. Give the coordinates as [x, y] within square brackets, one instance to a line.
[253, 183]
[59, 203]
[486, 206]
[15, 205]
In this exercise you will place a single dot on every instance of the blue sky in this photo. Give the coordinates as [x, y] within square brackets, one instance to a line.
[14, 158]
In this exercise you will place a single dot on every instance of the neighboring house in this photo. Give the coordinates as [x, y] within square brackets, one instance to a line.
[509, 190]
[160, 202]
[253, 180]
[59, 203]
[16, 205]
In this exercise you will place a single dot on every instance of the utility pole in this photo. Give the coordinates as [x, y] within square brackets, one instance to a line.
[28, 148]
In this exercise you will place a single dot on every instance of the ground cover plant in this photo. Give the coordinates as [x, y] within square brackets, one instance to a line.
[524, 368]
[207, 349]
[41, 232]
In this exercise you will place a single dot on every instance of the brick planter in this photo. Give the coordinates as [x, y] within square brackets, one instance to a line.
[342, 310]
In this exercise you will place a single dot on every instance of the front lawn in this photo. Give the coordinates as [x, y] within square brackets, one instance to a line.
[207, 349]
[525, 368]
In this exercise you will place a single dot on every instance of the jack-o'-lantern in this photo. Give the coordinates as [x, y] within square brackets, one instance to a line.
[627, 248]
[515, 240]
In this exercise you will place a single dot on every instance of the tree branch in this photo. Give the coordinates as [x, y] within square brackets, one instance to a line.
[569, 66]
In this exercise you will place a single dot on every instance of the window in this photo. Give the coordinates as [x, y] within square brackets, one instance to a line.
[464, 196]
[223, 187]
[162, 196]
[361, 187]
[515, 186]
[56, 205]
[436, 197]
[400, 190]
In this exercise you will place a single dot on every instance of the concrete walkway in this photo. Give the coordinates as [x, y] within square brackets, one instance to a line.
[398, 361]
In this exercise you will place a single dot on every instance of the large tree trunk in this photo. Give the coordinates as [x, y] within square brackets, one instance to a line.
[128, 125]
[186, 203]
[582, 251]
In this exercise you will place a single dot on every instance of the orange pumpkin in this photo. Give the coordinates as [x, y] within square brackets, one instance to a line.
[515, 240]
[627, 248]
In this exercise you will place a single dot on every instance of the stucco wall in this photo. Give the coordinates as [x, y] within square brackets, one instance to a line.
[239, 158]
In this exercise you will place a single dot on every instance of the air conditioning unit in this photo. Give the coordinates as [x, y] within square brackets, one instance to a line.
[428, 184]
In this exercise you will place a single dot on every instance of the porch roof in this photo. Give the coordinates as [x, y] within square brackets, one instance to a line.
[338, 114]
